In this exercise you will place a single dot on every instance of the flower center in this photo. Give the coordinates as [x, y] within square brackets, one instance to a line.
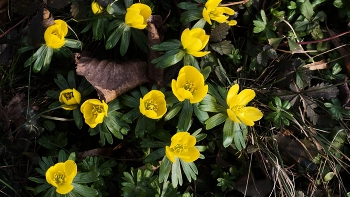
[190, 86]
[68, 95]
[151, 104]
[215, 13]
[237, 108]
[180, 148]
[97, 109]
[59, 177]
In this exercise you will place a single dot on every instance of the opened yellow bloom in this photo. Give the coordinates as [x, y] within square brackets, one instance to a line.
[238, 112]
[137, 14]
[94, 111]
[61, 176]
[70, 98]
[153, 104]
[189, 85]
[182, 146]
[54, 34]
[96, 8]
[212, 11]
[195, 40]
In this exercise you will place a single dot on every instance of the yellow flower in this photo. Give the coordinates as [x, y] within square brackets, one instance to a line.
[94, 111]
[182, 146]
[137, 14]
[189, 85]
[195, 40]
[213, 11]
[70, 97]
[96, 8]
[237, 106]
[153, 104]
[54, 34]
[61, 176]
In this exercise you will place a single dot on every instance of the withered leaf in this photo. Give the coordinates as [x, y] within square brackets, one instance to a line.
[15, 110]
[219, 32]
[309, 106]
[37, 26]
[223, 48]
[322, 90]
[24, 7]
[320, 65]
[155, 36]
[255, 188]
[78, 9]
[58, 4]
[111, 79]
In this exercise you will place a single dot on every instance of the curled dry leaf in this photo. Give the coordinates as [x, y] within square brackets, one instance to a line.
[111, 79]
[155, 36]
[320, 65]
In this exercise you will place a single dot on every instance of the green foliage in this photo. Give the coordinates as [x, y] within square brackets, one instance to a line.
[280, 117]
[139, 183]
[336, 109]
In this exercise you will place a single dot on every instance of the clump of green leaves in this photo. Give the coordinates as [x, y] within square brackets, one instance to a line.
[280, 117]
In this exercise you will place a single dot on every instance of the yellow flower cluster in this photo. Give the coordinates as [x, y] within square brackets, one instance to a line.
[212, 11]
[195, 40]
[70, 98]
[61, 176]
[137, 14]
[94, 111]
[54, 34]
[238, 112]
[153, 104]
[189, 85]
[182, 146]
[96, 8]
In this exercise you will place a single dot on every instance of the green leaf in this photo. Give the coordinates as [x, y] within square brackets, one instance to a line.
[61, 82]
[228, 131]
[115, 36]
[187, 6]
[131, 115]
[168, 45]
[130, 101]
[190, 60]
[86, 177]
[114, 125]
[274, 42]
[201, 115]
[295, 47]
[75, 44]
[223, 48]
[84, 190]
[176, 176]
[185, 116]
[190, 15]
[165, 168]
[47, 60]
[140, 128]
[78, 118]
[190, 174]
[215, 120]
[62, 156]
[140, 39]
[306, 9]
[169, 58]
[38, 53]
[37, 180]
[128, 3]
[173, 111]
[39, 62]
[239, 139]
[124, 44]
[116, 7]
[155, 155]
[71, 79]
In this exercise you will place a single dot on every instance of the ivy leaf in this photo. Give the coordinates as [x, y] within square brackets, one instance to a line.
[322, 90]
[223, 48]
[306, 9]
[219, 32]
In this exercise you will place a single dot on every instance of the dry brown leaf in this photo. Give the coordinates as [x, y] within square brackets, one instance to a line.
[320, 65]
[111, 79]
[155, 36]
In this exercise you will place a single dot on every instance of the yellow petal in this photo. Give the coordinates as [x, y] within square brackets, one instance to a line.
[64, 189]
[232, 22]
[185, 38]
[232, 116]
[49, 174]
[233, 91]
[220, 18]
[185, 93]
[200, 54]
[175, 89]
[199, 94]
[70, 169]
[142, 107]
[212, 4]
[191, 155]
[169, 154]
[77, 95]
[206, 16]
[226, 10]
[252, 114]
[245, 96]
